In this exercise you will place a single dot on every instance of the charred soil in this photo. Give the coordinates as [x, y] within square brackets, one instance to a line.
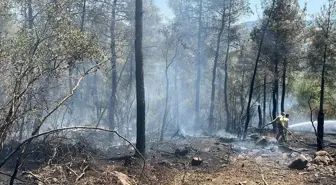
[218, 161]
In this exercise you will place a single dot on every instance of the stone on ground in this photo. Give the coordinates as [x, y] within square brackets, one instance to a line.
[299, 164]
[196, 161]
[123, 179]
[323, 158]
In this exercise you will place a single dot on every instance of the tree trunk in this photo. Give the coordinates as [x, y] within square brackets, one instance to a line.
[112, 103]
[140, 87]
[252, 84]
[37, 120]
[275, 94]
[226, 103]
[21, 129]
[176, 94]
[83, 16]
[198, 63]
[264, 101]
[165, 114]
[214, 72]
[242, 95]
[130, 83]
[94, 94]
[320, 118]
[254, 76]
[283, 85]
[260, 117]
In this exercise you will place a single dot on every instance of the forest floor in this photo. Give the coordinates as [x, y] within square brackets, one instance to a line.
[224, 161]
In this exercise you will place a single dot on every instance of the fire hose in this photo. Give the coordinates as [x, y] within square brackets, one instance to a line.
[292, 135]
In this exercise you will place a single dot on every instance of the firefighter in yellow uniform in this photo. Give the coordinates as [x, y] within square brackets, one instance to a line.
[278, 122]
[284, 122]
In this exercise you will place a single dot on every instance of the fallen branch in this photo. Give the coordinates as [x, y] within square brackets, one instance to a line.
[38, 178]
[70, 169]
[262, 176]
[82, 174]
[72, 128]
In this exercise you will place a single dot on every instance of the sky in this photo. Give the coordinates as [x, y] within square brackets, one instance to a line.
[313, 6]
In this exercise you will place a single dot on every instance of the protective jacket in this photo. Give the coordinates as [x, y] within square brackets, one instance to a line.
[278, 119]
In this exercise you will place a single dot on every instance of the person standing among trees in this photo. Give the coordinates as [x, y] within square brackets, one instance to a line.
[284, 123]
[278, 122]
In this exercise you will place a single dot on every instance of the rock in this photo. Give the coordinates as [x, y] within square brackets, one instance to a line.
[303, 157]
[54, 180]
[311, 168]
[196, 161]
[310, 159]
[206, 149]
[285, 156]
[259, 160]
[299, 164]
[240, 156]
[242, 183]
[322, 153]
[294, 154]
[123, 179]
[262, 141]
[266, 141]
[324, 159]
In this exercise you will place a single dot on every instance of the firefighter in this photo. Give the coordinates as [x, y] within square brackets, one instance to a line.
[278, 123]
[284, 122]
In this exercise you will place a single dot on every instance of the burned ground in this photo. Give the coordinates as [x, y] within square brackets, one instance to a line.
[224, 161]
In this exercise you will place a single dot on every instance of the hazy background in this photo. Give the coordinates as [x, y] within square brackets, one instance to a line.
[313, 7]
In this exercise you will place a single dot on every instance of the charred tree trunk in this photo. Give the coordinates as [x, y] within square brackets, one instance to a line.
[283, 85]
[83, 16]
[214, 74]
[320, 118]
[242, 96]
[260, 117]
[264, 101]
[254, 75]
[140, 87]
[130, 83]
[275, 94]
[226, 102]
[252, 84]
[112, 103]
[198, 64]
